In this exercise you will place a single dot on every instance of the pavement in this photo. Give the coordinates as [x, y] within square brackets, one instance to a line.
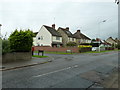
[26, 63]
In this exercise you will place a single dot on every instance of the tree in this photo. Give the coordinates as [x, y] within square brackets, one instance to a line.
[21, 41]
[5, 46]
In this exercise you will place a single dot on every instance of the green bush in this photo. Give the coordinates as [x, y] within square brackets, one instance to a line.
[71, 44]
[21, 41]
[5, 46]
[85, 49]
[118, 46]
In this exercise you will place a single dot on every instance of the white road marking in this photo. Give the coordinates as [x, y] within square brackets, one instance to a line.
[57, 71]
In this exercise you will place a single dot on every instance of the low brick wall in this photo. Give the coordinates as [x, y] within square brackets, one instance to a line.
[85, 49]
[109, 48]
[16, 56]
[56, 49]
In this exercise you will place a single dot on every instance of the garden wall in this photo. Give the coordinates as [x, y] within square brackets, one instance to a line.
[56, 49]
[16, 56]
[109, 48]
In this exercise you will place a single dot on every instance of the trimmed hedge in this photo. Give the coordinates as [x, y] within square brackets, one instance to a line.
[21, 41]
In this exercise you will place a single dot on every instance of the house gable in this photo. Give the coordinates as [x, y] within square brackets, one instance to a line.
[43, 38]
[111, 40]
[81, 38]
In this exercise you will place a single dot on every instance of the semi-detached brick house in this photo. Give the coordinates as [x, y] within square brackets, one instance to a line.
[111, 41]
[81, 38]
[67, 36]
[49, 36]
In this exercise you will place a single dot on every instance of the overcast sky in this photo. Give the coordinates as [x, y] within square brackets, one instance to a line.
[86, 15]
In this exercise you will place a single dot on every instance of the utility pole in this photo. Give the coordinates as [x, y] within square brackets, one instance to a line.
[99, 32]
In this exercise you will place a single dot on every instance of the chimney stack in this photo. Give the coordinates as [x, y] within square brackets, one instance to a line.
[67, 28]
[53, 26]
[78, 31]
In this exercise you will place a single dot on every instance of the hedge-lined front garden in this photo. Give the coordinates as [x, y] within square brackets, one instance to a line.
[17, 46]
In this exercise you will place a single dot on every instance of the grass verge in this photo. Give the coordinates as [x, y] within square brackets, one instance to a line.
[40, 56]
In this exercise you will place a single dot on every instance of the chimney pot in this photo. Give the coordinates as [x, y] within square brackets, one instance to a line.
[67, 28]
[78, 30]
[53, 26]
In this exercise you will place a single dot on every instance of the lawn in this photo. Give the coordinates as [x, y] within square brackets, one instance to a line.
[40, 56]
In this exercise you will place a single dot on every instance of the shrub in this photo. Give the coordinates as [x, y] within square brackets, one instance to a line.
[85, 48]
[21, 41]
[71, 44]
[118, 46]
[5, 46]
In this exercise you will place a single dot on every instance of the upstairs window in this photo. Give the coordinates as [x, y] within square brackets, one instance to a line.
[38, 38]
[57, 38]
[72, 39]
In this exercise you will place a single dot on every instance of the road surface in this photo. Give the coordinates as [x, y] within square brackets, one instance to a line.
[65, 71]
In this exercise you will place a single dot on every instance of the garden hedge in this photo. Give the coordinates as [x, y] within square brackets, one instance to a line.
[21, 41]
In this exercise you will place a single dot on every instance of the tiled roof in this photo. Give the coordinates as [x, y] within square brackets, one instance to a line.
[35, 33]
[106, 43]
[112, 39]
[52, 31]
[69, 34]
[79, 35]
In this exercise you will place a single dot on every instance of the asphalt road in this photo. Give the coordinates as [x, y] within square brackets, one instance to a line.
[65, 71]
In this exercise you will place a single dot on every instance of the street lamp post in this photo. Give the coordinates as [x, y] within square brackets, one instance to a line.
[117, 1]
[99, 32]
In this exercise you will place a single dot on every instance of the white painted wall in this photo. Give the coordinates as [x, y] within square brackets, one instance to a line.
[54, 39]
[34, 41]
[47, 37]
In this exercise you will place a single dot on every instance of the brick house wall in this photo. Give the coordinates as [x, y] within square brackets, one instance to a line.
[64, 37]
